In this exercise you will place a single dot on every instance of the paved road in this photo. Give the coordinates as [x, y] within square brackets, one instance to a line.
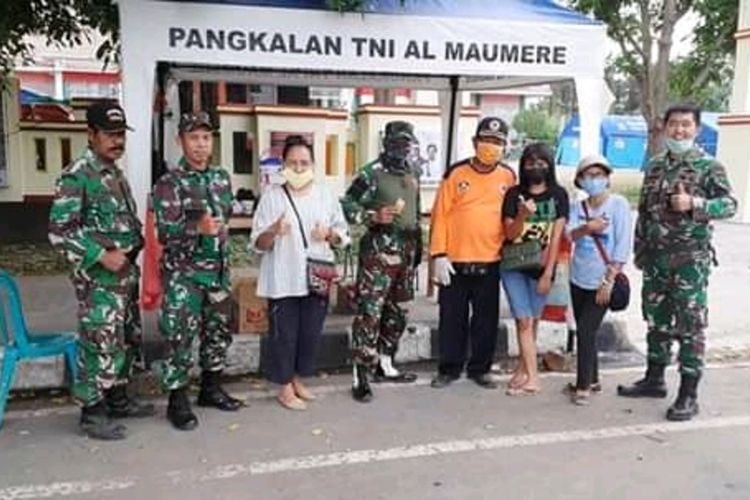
[412, 442]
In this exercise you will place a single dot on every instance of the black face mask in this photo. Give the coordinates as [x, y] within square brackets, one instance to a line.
[536, 175]
[399, 155]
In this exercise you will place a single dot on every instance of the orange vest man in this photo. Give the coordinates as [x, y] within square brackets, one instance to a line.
[467, 237]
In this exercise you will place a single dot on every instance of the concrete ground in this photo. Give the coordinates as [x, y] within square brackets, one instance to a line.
[411, 442]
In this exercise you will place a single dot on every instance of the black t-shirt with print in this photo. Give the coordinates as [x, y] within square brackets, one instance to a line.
[551, 205]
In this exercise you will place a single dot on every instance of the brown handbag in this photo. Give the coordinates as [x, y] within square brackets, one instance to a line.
[321, 274]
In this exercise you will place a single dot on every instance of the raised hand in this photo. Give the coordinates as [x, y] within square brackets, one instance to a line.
[681, 201]
[526, 207]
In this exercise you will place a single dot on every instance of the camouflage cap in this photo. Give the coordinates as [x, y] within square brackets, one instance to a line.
[398, 130]
[107, 116]
[492, 127]
[194, 121]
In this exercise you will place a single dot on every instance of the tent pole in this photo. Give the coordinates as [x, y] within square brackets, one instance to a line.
[158, 162]
[451, 122]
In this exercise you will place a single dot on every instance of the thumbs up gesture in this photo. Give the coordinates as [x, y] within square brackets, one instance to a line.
[282, 226]
[320, 232]
[681, 201]
[526, 207]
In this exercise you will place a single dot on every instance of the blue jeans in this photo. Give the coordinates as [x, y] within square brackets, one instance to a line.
[525, 301]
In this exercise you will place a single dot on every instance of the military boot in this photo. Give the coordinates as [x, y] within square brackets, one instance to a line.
[179, 412]
[213, 395]
[361, 390]
[96, 423]
[686, 405]
[651, 386]
[123, 406]
[386, 372]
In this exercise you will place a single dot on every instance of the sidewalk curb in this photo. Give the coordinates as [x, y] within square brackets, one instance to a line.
[248, 353]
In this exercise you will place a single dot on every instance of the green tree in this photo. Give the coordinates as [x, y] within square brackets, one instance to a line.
[536, 124]
[59, 22]
[644, 31]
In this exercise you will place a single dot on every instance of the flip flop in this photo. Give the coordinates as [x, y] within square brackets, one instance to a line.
[523, 391]
[295, 404]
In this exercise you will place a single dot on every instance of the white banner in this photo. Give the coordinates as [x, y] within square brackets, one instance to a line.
[319, 40]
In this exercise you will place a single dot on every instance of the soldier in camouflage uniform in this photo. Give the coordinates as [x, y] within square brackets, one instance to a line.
[683, 191]
[192, 205]
[385, 198]
[94, 223]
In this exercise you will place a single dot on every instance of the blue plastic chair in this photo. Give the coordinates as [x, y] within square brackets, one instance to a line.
[24, 345]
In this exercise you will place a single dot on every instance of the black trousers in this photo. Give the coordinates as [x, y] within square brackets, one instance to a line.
[469, 311]
[295, 326]
[589, 316]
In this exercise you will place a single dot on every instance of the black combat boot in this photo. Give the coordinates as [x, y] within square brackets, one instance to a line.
[361, 390]
[123, 406]
[96, 424]
[179, 412]
[651, 386]
[213, 395]
[686, 405]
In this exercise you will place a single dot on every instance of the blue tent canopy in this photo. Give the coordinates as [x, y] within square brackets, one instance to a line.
[511, 10]
[624, 140]
[30, 97]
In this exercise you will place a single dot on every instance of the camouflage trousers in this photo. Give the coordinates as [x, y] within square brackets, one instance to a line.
[191, 310]
[383, 281]
[110, 335]
[675, 309]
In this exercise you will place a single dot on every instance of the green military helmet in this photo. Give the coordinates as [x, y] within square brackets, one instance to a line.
[399, 130]
[399, 147]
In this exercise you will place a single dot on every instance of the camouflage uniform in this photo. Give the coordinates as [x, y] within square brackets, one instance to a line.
[675, 253]
[388, 255]
[195, 270]
[94, 211]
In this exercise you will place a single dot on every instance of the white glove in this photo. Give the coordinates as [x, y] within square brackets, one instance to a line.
[443, 271]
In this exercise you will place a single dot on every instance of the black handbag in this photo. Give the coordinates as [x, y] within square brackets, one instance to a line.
[321, 274]
[620, 296]
[524, 256]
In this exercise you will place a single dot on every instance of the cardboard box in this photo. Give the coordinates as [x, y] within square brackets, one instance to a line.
[252, 311]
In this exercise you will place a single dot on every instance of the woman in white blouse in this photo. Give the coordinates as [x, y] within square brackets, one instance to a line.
[295, 315]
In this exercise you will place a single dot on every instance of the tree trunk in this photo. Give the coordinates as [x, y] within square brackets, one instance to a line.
[659, 85]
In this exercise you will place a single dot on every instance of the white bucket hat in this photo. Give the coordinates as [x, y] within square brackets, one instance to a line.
[595, 160]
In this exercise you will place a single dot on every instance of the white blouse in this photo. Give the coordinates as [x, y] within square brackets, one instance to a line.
[283, 268]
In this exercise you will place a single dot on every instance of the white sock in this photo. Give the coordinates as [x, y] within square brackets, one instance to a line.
[355, 381]
[386, 364]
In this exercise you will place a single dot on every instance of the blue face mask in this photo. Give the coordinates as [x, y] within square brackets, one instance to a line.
[594, 186]
[678, 147]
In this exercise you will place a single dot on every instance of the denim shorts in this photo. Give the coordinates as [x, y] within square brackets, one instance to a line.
[524, 300]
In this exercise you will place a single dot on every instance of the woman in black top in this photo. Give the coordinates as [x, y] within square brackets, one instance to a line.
[534, 210]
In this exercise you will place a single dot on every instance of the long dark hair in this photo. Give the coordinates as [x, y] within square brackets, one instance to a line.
[531, 153]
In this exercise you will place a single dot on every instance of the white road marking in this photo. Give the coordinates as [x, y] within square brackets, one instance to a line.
[63, 489]
[343, 459]
[423, 380]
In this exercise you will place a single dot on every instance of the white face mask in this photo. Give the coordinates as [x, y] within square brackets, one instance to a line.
[298, 180]
[679, 147]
